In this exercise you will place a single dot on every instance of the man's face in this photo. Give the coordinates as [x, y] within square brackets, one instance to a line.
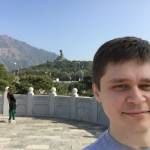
[125, 95]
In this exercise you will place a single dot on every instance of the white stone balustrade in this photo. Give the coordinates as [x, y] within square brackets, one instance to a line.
[69, 107]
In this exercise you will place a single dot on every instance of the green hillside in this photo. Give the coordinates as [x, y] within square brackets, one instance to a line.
[70, 73]
[65, 70]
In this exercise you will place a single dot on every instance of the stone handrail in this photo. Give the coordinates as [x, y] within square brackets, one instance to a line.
[70, 107]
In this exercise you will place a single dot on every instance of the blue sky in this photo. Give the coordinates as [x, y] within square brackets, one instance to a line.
[78, 27]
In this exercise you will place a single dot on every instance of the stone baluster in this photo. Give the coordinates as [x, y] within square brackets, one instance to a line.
[5, 103]
[75, 92]
[30, 101]
[53, 91]
[52, 101]
[31, 89]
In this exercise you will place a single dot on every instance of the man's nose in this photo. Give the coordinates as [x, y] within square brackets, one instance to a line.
[136, 96]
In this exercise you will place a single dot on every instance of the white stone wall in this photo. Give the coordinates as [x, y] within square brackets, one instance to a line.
[21, 102]
[69, 107]
[40, 105]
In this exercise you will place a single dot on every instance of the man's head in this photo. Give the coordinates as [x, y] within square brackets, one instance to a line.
[121, 82]
[119, 50]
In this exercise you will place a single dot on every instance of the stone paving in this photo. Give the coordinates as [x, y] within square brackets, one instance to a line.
[46, 134]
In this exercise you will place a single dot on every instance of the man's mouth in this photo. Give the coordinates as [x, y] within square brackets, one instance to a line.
[136, 112]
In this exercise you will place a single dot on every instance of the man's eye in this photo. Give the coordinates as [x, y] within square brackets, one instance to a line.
[120, 87]
[145, 87]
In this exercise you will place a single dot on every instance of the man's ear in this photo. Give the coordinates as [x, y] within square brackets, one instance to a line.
[96, 92]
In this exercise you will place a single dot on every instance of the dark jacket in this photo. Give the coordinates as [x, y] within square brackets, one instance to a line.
[12, 100]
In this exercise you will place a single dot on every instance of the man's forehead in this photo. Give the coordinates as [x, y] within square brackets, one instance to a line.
[127, 64]
[127, 70]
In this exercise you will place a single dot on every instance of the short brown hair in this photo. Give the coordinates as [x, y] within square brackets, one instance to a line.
[119, 50]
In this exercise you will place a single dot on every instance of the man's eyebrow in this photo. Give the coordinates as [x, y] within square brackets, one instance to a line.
[146, 80]
[120, 80]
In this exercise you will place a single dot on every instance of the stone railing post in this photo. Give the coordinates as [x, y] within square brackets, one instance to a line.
[75, 92]
[31, 89]
[52, 101]
[5, 103]
[73, 103]
[53, 91]
[30, 101]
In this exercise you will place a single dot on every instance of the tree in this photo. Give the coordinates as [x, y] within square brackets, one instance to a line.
[37, 82]
[5, 77]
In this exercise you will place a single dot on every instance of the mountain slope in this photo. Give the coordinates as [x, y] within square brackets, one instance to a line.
[16, 54]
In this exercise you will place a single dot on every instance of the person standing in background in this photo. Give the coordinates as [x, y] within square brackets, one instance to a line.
[12, 106]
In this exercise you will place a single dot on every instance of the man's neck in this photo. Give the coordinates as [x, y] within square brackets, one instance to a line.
[134, 139]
